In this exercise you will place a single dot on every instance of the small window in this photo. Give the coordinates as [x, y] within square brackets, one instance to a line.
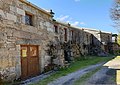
[56, 29]
[77, 37]
[87, 37]
[108, 38]
[65, 34]
[28, 19]
[71, 34]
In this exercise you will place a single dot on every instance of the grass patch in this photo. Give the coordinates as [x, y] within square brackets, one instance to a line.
[76, 65]
[85, 77]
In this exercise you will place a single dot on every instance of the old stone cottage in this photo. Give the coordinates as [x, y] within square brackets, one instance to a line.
[32, 42]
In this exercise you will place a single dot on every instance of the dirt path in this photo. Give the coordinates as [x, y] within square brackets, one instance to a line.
[107, 75]
[70, 78]
[104, 76]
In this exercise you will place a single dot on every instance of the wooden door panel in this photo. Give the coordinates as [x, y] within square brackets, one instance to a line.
[33, 66]
[24, 68]
[33, 51]
[24, 54]
[33, 61]
[29, 61]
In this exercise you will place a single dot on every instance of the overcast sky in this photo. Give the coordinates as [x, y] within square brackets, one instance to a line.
[83, 13]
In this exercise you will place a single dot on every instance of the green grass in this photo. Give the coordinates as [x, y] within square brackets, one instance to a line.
[72, 68]
[85, 77]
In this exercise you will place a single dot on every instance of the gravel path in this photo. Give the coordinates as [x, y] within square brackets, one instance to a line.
[104, 76]
[70, 78]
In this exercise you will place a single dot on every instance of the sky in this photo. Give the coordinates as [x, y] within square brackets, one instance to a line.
[93, 14]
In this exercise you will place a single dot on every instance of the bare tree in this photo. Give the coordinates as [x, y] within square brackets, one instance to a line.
[115, 14]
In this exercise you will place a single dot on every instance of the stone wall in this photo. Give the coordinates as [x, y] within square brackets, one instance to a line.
[101, 40]
[106, 40]
[14, 32]
[77, 43]
[96, 34]
[106, 37]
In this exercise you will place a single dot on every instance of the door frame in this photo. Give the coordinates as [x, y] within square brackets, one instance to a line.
[39, 71]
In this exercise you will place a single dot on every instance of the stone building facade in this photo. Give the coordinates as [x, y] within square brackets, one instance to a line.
[115, 45]
[18, 35]
[32, 42]
[101, 40]
[106, 39]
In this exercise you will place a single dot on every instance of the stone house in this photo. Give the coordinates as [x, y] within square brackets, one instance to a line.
[106, 39]
[32, 42]
[25, 31]
[101, 40]
[74, 39]
[115, 45]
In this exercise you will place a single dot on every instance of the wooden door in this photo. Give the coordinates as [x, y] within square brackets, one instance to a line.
[29, 61]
